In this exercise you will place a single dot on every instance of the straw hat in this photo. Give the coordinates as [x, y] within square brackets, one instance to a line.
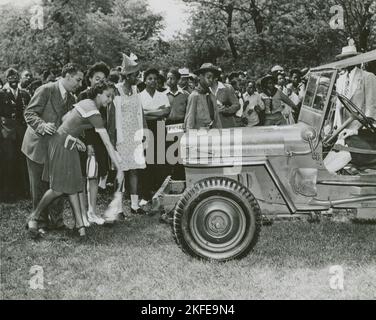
[208, 67]
[129, 65]
[348, 51]
[184, 72]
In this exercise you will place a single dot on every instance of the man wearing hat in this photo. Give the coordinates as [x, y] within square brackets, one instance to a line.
[227, 102]
[184, 79]
[276, 70]
[359, 87]
[13, 101]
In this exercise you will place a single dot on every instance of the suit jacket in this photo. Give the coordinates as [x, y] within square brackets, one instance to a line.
[362, 92]
[226, 96]
[47, 105]
[12, 122]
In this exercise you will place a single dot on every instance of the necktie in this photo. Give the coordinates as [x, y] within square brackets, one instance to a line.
[346, 91]
[66, 107]
[210, 107]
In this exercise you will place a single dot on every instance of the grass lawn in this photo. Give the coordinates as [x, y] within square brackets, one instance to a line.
[138, 259]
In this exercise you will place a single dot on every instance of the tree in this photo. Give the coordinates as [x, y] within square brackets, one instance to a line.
[360, 21]
[254, 35]
[225, 11]
[79, 31]
[130, 27]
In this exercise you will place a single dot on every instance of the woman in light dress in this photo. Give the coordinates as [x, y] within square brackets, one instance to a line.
[130, 123]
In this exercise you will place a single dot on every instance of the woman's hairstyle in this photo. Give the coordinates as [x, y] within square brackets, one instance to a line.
[99, 88]
[149, 72]
[114, 76]
[98, 67]
[265, 80]
[175, 73]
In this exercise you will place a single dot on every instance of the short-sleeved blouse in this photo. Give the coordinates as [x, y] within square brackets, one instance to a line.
[84, 115]
[151, 103]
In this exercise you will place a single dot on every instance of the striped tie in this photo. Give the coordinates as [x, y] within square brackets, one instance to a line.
[346, 91]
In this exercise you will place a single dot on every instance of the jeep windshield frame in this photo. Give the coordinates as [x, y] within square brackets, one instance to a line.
[317, 97]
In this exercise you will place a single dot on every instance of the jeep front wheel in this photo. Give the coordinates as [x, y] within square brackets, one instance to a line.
[217, 219]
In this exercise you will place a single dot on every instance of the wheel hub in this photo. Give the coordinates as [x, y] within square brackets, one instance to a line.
[218, 223]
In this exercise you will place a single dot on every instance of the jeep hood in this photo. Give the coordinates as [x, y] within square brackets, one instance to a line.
[199, 145]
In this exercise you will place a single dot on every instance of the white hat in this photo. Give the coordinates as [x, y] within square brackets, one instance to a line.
[348, 51]
[277, 68]
[184, 72]
[129, 64]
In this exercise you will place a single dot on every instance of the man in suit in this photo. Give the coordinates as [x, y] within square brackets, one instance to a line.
[359, 87]
[13, 101]
[227, 102]
[43, 116]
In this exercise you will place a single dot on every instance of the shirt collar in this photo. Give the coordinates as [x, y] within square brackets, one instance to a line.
[180, 90]
[247, 95]
[351, 74]
[220, 86]
[9, 88]
[62, 90]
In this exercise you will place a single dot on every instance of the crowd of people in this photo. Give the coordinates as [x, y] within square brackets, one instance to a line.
[65, 134]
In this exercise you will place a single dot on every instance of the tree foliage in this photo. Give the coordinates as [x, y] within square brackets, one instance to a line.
[253, 35]
[247, 34]
[78, 31]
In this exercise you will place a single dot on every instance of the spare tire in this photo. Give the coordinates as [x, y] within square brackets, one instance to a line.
[217, 219]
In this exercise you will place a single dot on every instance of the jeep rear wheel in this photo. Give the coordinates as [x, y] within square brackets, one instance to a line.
[217, 219]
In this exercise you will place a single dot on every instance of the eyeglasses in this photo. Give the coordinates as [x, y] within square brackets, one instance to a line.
[12, 78]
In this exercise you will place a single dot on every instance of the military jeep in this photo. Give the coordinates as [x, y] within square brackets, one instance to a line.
[235, 176]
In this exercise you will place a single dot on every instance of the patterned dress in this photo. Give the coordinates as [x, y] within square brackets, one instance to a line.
[129, 129]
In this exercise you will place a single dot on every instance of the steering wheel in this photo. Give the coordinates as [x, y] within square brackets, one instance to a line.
[355, 114]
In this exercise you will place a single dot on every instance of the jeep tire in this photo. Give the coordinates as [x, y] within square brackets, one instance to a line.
[217, 219]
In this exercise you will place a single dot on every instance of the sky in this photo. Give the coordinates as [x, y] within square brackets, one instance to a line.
[174, 12]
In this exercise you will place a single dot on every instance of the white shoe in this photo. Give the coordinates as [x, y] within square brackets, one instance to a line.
[143, 202]
[93, 218]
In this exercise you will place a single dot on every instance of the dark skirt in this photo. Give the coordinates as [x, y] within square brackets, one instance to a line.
[365, 140]
[62, 168]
